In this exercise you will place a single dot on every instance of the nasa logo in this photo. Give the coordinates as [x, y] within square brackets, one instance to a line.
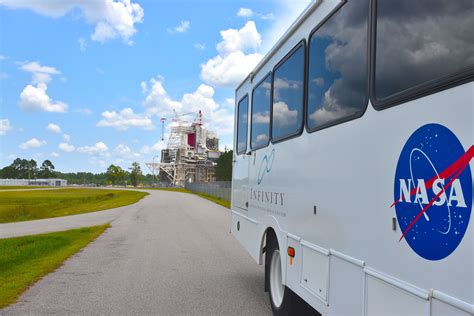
[433, 191]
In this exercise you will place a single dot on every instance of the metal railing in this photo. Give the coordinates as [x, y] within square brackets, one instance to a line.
[218, 189]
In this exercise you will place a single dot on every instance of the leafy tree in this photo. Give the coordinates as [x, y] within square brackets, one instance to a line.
[116, 175]
[223, 170]
[46, 169]
[135, 173]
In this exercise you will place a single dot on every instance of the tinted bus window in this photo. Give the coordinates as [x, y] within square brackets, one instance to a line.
[242, 124]
[287, 107]
[420, 41]
[337, 74]
[260, 130]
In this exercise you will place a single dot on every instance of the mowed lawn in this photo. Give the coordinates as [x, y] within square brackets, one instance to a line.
[23, 187]
[18, 206]
[24, 260]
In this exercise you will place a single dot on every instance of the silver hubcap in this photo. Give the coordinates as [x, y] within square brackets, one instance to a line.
[276, 285]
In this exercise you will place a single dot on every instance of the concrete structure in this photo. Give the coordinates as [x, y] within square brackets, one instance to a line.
[26, 182]
[190, 155]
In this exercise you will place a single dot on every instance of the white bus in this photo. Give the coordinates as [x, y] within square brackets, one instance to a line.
[353, 149]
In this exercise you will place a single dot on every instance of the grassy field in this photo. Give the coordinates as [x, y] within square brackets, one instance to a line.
[24, 260]
[23, 187]
[205, 196]
[30, 205]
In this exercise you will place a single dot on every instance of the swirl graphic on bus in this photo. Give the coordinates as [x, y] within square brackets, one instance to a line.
[433, 191]
[265, 166]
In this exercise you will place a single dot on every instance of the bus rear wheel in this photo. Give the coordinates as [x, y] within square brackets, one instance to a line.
[280, 295]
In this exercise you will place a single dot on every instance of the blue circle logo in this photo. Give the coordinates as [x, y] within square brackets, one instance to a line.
[433, 191]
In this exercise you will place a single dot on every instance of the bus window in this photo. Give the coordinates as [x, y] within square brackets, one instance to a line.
[337, 67]
[242, 124]
[287, 107]
[421, 43]
[260, 125]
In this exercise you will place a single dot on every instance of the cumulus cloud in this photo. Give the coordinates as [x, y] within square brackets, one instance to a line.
[54, 154]
[66, 147]
[34, 98]
[125, 153]
[248, 13]
[155, 148]
[32, 143]
[158, 102]
[124, 119]
[53, 128]
[237, 56]
[245, 12]
[181, 28]
[98, 148]
[112, 19]
[283, 116]
[5, 126]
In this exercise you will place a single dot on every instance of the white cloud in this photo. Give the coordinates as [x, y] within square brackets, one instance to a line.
[124, 119]
[54, 154]
[245, 12]
[155, 148]
[98, 148]
[3, 57]
[230, 101]
[34, 98]
[82, 44]
[5, 126]
[32, 143]
[181, 28]
[66, 137]
[157, 102]
[66, 147]
[41, 74]
[283, 116]
[125, 153]
[112, 19]
[232, 63]
[53, 128]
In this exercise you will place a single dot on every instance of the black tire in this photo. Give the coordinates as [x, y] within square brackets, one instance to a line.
[284, 308]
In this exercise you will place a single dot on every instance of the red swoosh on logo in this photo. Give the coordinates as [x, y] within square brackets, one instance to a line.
[454, 170]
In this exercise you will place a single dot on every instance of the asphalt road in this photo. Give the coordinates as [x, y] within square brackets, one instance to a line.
[169, 254]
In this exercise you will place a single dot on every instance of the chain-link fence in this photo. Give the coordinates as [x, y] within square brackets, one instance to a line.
[218, 189]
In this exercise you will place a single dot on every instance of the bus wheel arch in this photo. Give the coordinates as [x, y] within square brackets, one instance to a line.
[280, 296]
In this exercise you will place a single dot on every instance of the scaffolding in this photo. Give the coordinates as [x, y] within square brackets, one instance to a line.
[190, 155]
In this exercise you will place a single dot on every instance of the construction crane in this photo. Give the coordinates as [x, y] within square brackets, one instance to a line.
[176, 118]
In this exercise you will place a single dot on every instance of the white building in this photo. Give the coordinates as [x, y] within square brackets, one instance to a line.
[26, 182]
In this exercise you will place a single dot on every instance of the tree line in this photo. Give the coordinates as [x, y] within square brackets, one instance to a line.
[29, 169]
[115, 175]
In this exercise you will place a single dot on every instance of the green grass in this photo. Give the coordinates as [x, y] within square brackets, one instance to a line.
[25, 260]
[204, 196]
[23, 187]
[30, 205]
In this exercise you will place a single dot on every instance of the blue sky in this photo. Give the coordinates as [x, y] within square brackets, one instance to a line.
[85, 83]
